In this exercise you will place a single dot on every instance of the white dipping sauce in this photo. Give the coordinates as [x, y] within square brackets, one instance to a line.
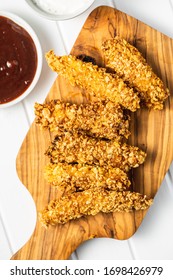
[60, 7]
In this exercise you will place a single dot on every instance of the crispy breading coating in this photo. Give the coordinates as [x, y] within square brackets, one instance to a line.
[90, 202]
[132, 67]
[103, 119]
[77, 148]
[94, 79]
[77, 177]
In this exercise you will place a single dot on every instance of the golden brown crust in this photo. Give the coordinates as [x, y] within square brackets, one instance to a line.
[94, 79]
[103, 119]
[90, 202]
[88, 170]
[77, 177]
[72, 148]
[131, 66]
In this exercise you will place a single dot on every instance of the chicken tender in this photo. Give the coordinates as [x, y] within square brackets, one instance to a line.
[90, 202]
[77, 177]
[77, 148]
[103, 119]
[94, 79]
[132, 67]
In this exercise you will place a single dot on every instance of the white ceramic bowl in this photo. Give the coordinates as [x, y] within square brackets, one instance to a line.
[18, 20]
[68, 15]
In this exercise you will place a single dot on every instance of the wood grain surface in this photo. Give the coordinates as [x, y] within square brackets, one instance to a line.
[151, 130]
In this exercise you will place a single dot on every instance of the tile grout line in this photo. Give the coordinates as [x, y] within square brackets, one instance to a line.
[74, 256]
[171, 4]
[114, 4]
[131, 249]
[26, 113]
[63, 45]
[169, 183]
[7, 235]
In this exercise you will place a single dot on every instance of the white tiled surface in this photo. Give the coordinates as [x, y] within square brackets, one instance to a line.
[154, 239]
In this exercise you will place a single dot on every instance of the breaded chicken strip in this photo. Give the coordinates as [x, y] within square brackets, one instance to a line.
[77, 148]
[77, 177]
[103, 119]
[132, 67]
[90, 202]
[94, 79]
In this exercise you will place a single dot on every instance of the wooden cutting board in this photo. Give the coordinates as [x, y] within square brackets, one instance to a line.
[151, 130]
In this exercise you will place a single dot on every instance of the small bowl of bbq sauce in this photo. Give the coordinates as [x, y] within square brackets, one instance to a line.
[20, 59]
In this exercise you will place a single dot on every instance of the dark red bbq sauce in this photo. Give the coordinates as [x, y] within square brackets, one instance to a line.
[18, 60]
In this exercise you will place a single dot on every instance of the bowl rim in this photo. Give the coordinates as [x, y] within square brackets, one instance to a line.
[50, 16]
[24, 24]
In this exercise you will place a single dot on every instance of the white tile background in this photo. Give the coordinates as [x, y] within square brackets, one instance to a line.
[153, 240]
